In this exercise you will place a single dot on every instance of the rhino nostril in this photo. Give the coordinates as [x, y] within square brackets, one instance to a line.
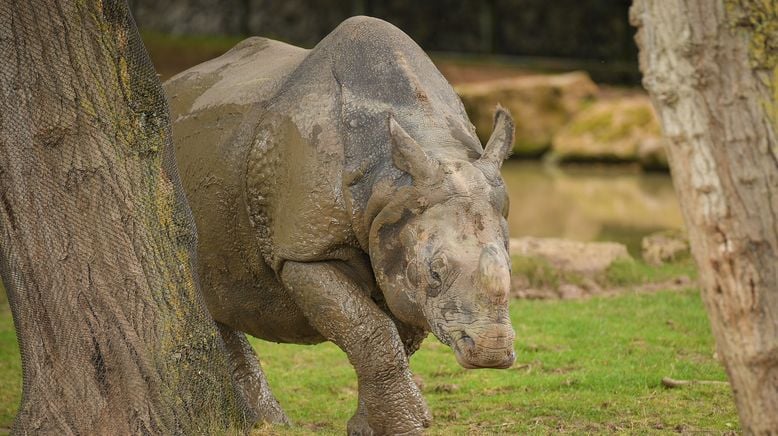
[466, 344]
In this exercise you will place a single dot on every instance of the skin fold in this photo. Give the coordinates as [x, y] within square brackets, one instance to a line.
[340, 194]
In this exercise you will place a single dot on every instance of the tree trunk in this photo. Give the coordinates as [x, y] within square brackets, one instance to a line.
[711, 68]
[98, 242]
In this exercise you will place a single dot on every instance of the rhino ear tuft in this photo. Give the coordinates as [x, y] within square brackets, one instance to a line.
[501, 142]
[408, 155]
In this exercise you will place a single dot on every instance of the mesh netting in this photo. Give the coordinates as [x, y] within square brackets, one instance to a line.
[98, 243]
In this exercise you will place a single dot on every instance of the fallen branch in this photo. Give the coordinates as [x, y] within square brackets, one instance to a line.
[673, 383]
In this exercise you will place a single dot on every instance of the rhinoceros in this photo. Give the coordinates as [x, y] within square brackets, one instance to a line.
[341, 194]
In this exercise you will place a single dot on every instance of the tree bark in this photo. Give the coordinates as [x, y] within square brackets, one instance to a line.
[711, 68]
[98, 243]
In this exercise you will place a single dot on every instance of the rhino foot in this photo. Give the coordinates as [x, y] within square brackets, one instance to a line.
[358, 425]
[250, 379]
[270, 411]
[413, 422]
[393, 408]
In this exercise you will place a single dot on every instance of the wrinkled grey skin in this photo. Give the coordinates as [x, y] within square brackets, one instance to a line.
[340, 194]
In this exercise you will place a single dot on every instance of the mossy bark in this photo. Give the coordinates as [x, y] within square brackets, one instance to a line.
[97, 240]
[710, 67]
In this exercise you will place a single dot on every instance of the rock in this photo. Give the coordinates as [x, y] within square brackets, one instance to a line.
[584, 258]
[620, 129]
[590, 286]
[663, 247]
[522, 288]
[585, 287]
[540, 104]
[568, 291]
[519, 281]
[534, 293]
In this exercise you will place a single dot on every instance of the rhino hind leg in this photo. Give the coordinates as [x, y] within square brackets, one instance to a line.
[250, 379]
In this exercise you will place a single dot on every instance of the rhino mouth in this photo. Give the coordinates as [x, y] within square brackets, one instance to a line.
[472, 355]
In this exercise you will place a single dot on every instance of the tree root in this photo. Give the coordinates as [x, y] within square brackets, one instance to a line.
[673, 383]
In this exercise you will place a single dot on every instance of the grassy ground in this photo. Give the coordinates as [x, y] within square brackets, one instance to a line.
[10, 366]
[589, 366]
[583, 366]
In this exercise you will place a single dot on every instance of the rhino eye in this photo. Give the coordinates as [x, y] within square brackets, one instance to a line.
[437, 272]
[435, 282]
[411, 274]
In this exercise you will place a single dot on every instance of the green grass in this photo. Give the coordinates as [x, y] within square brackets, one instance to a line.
[10, 366]
[588, 366]
[636, 272]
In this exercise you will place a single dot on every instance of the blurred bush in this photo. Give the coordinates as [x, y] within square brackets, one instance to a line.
[618, 130]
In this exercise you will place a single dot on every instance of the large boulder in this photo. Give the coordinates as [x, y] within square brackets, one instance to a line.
[548, 268]
[621, 129]
[540, 104]
[584, 258]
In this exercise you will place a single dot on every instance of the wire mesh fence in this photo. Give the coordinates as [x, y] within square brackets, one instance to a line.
[97, 241]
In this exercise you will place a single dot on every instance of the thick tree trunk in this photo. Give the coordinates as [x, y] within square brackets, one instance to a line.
[97, 239]
[711, 67]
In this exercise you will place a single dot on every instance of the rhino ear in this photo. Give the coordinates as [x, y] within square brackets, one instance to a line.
[499, 145]
[408, 155]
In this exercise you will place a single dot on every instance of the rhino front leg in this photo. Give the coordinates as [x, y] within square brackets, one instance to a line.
[412, 338]
[341, 311]
[249, 377]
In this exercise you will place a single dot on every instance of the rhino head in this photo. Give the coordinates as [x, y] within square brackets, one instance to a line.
[439, 247]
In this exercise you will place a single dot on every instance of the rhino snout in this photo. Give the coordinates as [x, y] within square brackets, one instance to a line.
[492, 349]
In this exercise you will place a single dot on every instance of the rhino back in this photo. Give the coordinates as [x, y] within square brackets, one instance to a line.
[249, 73]
[382, 71]
[209, 103]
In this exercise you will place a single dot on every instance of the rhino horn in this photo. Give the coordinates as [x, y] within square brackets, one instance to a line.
[408, 155]
[494, 273]
[499, 145]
